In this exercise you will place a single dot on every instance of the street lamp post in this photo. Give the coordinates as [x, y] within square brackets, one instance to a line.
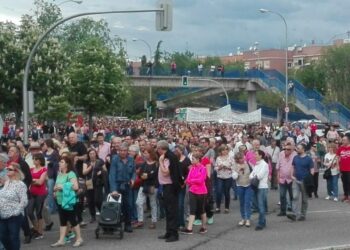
[151, 71]
[218, 83]
[38, 43]
[286, 36]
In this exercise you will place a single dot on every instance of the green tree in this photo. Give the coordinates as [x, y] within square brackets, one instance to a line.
[11, 64]
[312, 76]
[235, 66]
[97, 81]
[58, 108]
[184, 61]
[209, 61]
[335, 66]
[157, 65]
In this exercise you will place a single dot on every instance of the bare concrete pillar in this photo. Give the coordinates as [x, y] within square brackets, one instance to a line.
[252, 105]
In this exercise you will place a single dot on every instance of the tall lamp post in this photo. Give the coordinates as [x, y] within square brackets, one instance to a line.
[163, 23]
[286, 34]
[150, 74]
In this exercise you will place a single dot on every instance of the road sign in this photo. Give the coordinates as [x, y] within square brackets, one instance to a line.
[286, 109]
[184, 81]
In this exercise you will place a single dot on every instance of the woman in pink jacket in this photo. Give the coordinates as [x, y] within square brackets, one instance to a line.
[197, 193]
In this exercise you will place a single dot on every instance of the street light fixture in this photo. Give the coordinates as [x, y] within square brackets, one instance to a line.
[150, 74]
[286, 37]
[73, 1]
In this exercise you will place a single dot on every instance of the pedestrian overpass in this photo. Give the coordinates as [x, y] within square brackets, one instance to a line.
[206, 86]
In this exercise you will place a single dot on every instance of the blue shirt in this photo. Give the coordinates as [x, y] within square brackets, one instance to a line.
[302, 166]
[121, 173]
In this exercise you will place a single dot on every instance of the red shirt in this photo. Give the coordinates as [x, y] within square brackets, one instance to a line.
[38, 190]
[205, 161]
[313, 128]
[344, 158]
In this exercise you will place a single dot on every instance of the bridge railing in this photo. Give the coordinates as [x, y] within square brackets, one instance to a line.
[311, 99]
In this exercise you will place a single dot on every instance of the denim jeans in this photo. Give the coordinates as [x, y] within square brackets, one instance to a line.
[223, 188]
[140, 202]
[9, 232]
[284, 188]
[126, 209]
[133, 193]
[50, 199]
[245, 195]
[332, 186]
[262, 201]
[234, 189]
[181, 212]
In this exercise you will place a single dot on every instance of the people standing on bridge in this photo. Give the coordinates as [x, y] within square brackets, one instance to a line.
[303, 169]
[343, 154]
[149, 68]
[173, 68]
[200, 69]
[212, 70]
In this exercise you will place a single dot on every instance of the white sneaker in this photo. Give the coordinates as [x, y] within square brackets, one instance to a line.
[335, 199]
[97, 213]
[327, 198]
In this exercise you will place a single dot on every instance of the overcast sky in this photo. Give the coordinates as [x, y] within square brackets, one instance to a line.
[212, 27]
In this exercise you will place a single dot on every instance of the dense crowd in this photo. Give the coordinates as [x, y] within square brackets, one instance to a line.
[179, 171]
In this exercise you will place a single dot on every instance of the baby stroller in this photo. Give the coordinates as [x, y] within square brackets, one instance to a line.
[110, 220]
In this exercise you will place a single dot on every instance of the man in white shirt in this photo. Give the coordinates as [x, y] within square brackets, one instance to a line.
[244, 141]
[273, 150]
[303, 138]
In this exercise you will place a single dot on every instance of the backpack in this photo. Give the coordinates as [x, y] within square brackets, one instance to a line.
[68, 196]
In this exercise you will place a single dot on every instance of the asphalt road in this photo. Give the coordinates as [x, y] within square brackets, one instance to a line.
[327, 224]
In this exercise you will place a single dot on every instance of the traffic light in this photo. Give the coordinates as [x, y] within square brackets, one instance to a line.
[152, 105]
[184, 81]
[164, 19]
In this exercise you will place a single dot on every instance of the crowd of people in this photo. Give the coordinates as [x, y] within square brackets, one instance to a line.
[176, 170]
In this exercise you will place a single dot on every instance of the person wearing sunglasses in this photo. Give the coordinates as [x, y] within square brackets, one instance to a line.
[284, 175]
[13, 200]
